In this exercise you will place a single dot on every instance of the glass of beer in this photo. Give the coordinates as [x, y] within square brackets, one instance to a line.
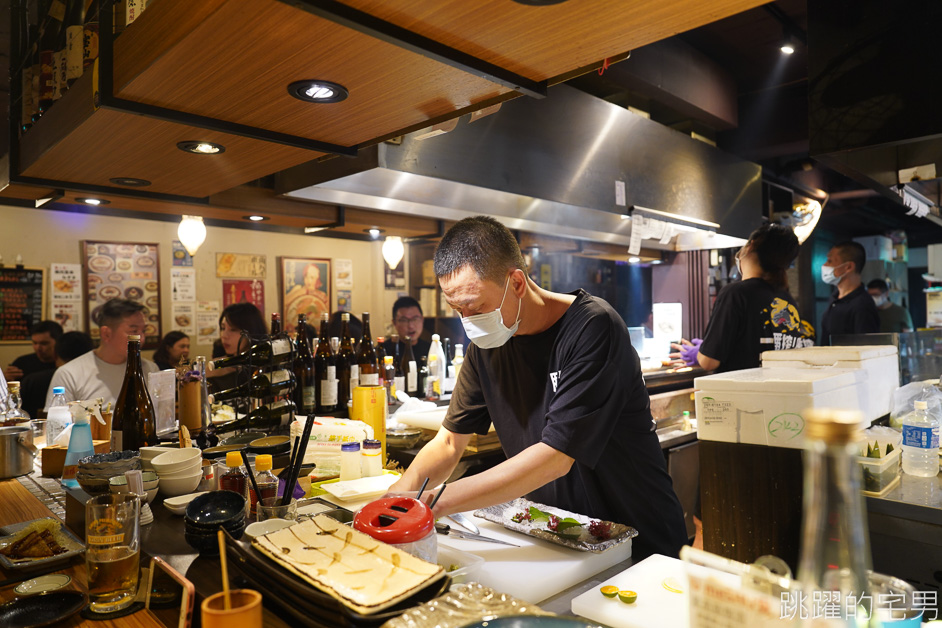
[112, 557]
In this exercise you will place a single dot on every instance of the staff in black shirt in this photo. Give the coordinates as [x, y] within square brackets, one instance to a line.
[852, 310]
[563, 388]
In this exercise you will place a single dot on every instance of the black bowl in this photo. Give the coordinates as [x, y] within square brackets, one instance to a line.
[271, 445]
[194, 528]
[208, 544]
[215, 508]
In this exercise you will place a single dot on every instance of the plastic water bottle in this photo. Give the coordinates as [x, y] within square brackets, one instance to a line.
[59, 416]
[80, 446]
[921, 442]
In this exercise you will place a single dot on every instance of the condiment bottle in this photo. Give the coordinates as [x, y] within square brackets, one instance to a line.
[371, 458]
[234, 479]
[350, 462]
[265, 480]
[80, 446]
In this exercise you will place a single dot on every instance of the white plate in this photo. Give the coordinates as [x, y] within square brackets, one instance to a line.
[177, 505]
[72, 544]
[43, 584]
[363, 488]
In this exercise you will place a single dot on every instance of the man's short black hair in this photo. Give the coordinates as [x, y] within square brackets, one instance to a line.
[482, 243]
[52, 328]
[116, 310]
[851, 251]
[878, 284]
[73, 344]
[403, 303]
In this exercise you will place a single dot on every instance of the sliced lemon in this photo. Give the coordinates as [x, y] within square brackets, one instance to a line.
[672, 585]
[628, 597]
[609, 591]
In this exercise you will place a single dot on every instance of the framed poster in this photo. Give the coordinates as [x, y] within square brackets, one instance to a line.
[241, 265]
[305, 289]
[244, 291]
[22, 302]
[130, 270]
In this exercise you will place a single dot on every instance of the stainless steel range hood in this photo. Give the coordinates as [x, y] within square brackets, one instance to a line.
[551, 166]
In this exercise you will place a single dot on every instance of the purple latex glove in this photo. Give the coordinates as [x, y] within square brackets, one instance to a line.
[688, 353]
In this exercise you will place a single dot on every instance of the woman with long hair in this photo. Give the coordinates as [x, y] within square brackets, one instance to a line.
[235, 319]
[173, 347]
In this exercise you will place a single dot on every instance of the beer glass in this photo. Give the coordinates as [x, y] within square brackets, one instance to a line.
[113, 550]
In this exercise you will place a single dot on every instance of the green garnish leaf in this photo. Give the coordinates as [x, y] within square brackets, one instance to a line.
[565, 524]
[889, 448]
[538, 515]
[874, 452]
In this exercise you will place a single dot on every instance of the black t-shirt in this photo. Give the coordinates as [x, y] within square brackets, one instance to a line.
[855, 313]
[577, 387]
[30, 363]
[750, 317]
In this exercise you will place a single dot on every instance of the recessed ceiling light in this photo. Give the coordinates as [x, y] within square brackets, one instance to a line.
[256, 218]
[92, 201]
[130, 182]
[314, 90]
[625, 216]
[788, 48]
[634, 260]
[201, 148]
[374, 232]
[656, 261]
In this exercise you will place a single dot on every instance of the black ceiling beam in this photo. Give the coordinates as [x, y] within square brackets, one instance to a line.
[788, 24]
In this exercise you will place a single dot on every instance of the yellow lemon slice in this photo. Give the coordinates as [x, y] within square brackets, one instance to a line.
[628, 597]
[609, 591]
[672, 585]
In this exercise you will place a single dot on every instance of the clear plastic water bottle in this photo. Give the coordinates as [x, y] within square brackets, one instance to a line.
[921, 442]
[59, 416]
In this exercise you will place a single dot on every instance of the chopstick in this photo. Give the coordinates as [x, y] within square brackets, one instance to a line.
[440, 491]
[296, 470]
[418, 495]
[225, 570]
[248, 472]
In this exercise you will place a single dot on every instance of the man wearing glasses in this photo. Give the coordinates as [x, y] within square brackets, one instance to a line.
[408, 321]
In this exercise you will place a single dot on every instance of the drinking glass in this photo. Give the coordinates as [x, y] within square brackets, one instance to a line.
[271, 508]
[112, 557]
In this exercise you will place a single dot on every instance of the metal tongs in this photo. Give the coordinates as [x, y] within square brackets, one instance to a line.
[442, 528]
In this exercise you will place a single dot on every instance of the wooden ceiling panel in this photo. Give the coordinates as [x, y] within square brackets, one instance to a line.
[238, 69]
[543, 42]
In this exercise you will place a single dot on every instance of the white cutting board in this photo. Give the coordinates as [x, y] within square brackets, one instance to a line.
[537, 569]
[656, 607]
[427, 419]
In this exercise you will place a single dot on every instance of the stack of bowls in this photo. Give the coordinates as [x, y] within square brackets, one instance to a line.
[149, 453]
[179, 471]
[94, 472]
[119, 484]
[209, 512]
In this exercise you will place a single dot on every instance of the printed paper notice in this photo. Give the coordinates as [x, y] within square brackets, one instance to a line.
[66, 291]
[183, 282]
[207, 321]
[184, 318]
[344, 273]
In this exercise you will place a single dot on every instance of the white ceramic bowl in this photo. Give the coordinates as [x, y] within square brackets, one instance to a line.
[261, 528]
[177, 505]
[149, 479]
[149, 453]
[177, 460]
[186, 471]
[171, 487]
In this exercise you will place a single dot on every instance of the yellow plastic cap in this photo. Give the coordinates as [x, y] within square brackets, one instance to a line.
[233, 459]
[263, 462]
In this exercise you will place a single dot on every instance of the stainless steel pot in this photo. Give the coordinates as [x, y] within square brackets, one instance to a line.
[16, 451]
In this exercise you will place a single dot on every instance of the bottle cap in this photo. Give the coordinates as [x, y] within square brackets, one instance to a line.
[13, 387]
[58, 390]
[134, 338]
[369, 443]
[233, 459]
[350, 447]
[262, 462]
[388, 359]
[921, 405]
[345, 316]
[436, 337]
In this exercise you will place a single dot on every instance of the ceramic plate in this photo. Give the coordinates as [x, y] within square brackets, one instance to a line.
[72, 544]
[503, 514]
[43, 584]
[44, 609]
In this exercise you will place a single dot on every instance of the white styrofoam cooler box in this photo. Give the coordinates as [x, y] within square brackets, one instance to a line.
[766, 406]
[879, 362]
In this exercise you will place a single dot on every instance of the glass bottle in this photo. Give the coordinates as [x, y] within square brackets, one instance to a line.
[367, 365]
[262, 353]
[381, 359]
[396, 353]
[234, 479]
[347, 371]
[80, 446]
[835, 545]
[446, 348]
[410, 369]
[15, 414]
[433, 386]
[390, 381]
[265, 480]
[422, 379]
[133, 424]
[304, 397]
[275, 324]
[459, 358]
[260, 386]
[325, 371]
[276, 415]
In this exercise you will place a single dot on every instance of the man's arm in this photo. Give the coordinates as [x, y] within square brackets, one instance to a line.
[435, 461]
[707, 362]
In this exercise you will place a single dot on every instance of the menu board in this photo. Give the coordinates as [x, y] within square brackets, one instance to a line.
[22, 302]
[130, 270]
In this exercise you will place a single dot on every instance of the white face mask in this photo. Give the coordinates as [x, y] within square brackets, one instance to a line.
[827, 275]
[879, 301]
[488, 330]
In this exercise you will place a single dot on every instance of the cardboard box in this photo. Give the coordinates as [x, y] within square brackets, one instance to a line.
[53, 458]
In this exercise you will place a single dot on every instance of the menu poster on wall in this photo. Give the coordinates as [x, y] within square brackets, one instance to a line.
[66, 293]
[343, 274]
[129, 270]
[183, 285]
[244, 291]
[207, 321]
[180, 255]
[344, 300]
[242, 265]
[22, 294]
[184, 318]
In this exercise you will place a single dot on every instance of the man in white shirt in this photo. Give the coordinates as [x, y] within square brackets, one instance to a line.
[100, 373]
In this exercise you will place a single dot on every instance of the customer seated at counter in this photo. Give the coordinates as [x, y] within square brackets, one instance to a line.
[100, 373]
[34, 387]
[235, 319]
[43, 335]
[173, 347]
[409, 321]
[563, 388]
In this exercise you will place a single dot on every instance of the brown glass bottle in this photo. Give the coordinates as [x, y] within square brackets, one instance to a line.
[325, 371]
[134, 423]
[275, 323]
[305, 383]
[367, 362]
[347, 370]
[410, 368]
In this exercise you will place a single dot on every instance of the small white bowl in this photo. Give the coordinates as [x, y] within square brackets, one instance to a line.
[261, 528]
[149, 453]
[171, 487]
[177, 505]
[175, 460]
[189, 469]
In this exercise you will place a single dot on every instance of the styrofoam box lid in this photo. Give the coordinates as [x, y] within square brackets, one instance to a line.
[777, 380]
[823, 356]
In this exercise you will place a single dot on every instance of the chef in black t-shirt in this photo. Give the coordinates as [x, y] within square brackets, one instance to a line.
[756, 314]
[851, 310]
[562, 386]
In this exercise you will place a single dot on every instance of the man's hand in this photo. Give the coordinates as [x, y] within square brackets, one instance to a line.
[686, 351]
[12, 373]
